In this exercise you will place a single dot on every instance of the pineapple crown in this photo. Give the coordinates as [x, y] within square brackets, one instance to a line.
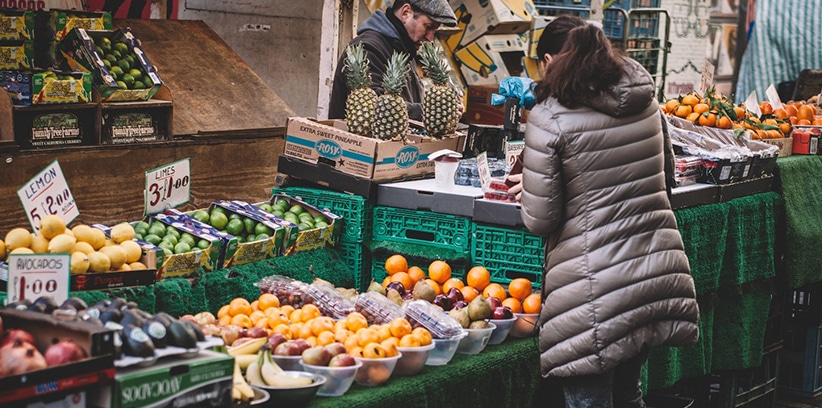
[356, 67]
[396, 73]
[434, 67]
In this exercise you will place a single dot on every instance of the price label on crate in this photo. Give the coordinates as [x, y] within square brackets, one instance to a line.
[35, 275]
[48, 193]
[168, 186]
[707, 78]
[483, 170]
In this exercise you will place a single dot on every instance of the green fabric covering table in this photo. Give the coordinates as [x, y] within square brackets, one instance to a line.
[798, 180]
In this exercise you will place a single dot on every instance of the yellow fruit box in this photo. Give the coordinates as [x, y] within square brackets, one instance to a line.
[152, 258]
[481, 17]
[48, 87]
[270, 246]
[330, 143]
[307, 238]
[61, 22]
[197, 260]
[17, 55]
[16, 25]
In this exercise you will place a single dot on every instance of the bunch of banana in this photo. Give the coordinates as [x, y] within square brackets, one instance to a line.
[265, 372]
[249, 347]
[240, 391]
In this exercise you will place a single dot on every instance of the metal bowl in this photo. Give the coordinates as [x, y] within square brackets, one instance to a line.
[293, 396]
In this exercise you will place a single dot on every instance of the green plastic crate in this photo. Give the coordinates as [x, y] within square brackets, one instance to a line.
[354, 256]
[508, 253]
[377, 264]
[422, 227]
[355, 210]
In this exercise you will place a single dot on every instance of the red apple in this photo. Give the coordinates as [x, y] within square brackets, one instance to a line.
[335, 348]
[317, 356]
[301, 344]
[502, 312]
[342, 360]
[256, 332]
[494, 302]
[275, 339]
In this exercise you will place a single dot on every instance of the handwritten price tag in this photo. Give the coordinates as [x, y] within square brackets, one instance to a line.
[168, 186]
[48, 193]
[483, 170]
[32, 276]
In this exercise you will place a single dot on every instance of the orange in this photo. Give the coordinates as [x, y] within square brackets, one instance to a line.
[404, 279]
[416, 273]
[806, 112]
[256, 316]
[276, 319]
[310, 311]
[701, 108]
[452, 283]
[532, 303]
[692, 117]
[423, 335]
[282, 329]
[707, 119]
[355, 321]
[268, 300]
[817, 122]
[399, 327]
[356, 352]
[296, 316]
[469, 293]
[374, 350]
[785, 127]
[439, 271]
[242, 320]
[223, 311]
[671, 105]
[368, 336]
[286, 309]
[780, 113]
[321, 324]
[803, 122]
[339, 325]
[514, 304]
[690, 99]
[435, 285]
[790, 110]
[224, 321]
[765, 107]
[478, 277]
[306, 331]
[351, 342]
[255, 305]
[724, 122]
[384, 330]
[396, 263]
[386, 281]
[740, 112]
[325, 337]
[312, 341]
[683, 111]
[239, 306]
[410, 340]
[494, 290]
[520, 288]
[390, 346]
[341, 335]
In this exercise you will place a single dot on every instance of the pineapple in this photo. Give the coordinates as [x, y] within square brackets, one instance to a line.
[362, 100]
[391, 114]
[441, 104]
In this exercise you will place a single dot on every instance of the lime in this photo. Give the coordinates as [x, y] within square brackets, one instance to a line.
[138, 236]
[201, 215]
[128, 80]
[277, 213]
[218, 209]
[116, 54]
[107, 63]
[262, 229]
[319, 218]
[234, 227]
[116, 71]
[320, 224]
[261, 237]
[291, 217]
[139, 85]
[203, 244]
[182, 248]
[251, 238]
[218, 219]
[136, 73]
[249, 225]
[131, 60]
[141, 226]
[124, 65]
[305, 216]
[296, 209]
[170, 238]
[303, 226]
[234, 216]
[166, 245]
[173, 231]
[281, 204]
[266, 207]
[159, 231]
[122, 85]
[104, 42]
[152, 239]
[167, 252]
[188, 238]
[121, 47]
[105, 46]
[111, 58]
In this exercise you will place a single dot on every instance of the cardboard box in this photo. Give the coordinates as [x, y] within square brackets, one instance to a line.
[96, 340]
[61, 22]
[256, 250]
[491, 58]
[785, 145]
[17, 55]
[78, 52]
[805, 140]
[55, 87]
[16, 25]
[479, 111]
[309, 238]
[56, 125]
[538, 24]
[138, 121]
[330, 143]
[172, 382]
[197, 261]
[427, 195]
[481, 17]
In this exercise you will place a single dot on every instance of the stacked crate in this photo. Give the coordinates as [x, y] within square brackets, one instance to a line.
[801, 358]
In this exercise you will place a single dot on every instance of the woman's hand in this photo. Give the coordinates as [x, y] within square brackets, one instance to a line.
[516, 190]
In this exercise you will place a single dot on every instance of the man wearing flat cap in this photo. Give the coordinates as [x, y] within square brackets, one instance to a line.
[402, 27]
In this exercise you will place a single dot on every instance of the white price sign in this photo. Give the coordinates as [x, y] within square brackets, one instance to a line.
[168, 186]
[707, 79]
[35, 275]
[48, 193]
[483, 170]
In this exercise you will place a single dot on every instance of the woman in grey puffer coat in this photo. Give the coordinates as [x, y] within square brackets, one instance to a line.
[617, 281]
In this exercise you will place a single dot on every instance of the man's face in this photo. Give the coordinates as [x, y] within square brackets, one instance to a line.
[420, 27]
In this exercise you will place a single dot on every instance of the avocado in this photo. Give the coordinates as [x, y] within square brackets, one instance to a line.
[157, 333]
[74, 303]
[136, 342]
[48, 304]
[181, 335]
[196, 328]
[114, 315]
[131, 317]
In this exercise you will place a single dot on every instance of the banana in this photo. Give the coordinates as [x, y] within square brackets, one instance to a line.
[249, 347]
[269, 370]
[252, 372]
[241, 387]
[286, 381]
[244, 360]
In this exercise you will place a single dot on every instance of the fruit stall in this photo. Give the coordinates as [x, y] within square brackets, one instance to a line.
[299, 263]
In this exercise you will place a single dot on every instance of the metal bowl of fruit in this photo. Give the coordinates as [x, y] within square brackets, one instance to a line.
[293, 389]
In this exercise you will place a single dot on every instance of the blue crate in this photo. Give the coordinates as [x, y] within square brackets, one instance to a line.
[355, 210]
[613, 23]
[421, 227]
[646, 52]
[643, 24]
[508, 253]
[801, 361]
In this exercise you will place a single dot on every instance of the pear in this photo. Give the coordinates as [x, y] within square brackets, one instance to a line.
[460, 316]
[376, 287]
[424, 291]
[479, 309]
[478, 324]
[394, 296]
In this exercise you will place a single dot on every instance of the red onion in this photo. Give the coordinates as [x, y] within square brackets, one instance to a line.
[13, 334]
[64, 352]
[20, 357]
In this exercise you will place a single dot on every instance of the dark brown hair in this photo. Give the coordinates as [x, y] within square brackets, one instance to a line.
[555, 34]
[586, 65]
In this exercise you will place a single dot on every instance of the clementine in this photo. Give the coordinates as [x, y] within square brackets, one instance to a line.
[435, 285]
[671, 105]
[416, 273]
[469, 293]
[325, 338]
[452, 283]
[701, 108]
[396, 263]
[242, 320]
[690, 99]
[310, 311]
[223, 311]
[520, 288]
[355, 321]
[494, 290]
[806, 112]
[478, 277]
[439, 271]
[532, 303]
[514, 304]
[267, 300]
[239, 306]
[405, 279]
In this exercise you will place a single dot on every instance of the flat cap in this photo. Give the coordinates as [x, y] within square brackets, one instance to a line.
[439, 11]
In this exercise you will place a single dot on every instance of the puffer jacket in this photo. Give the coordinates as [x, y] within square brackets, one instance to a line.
[617, 280]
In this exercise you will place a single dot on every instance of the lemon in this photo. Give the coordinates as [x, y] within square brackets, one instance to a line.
[21, 251]
[124, 267]
[2, 249]
[39, 244]
[83, 233]
[79, 263]
[122, 232]
[116, 255]
[133, 251]
[18, 238]
[62, 244]
[98, 262]
[99, 238]
[137, 266]
[69, 232]
[83, 247]
[52, 226]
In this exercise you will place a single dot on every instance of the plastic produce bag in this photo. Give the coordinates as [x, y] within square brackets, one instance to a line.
[515, 87]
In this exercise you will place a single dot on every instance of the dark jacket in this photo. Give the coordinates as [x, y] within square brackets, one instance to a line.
[617, 280]
[381, 34]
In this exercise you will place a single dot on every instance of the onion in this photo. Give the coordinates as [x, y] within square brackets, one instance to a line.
[64, 352]
[13, 334]
[20, 357]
